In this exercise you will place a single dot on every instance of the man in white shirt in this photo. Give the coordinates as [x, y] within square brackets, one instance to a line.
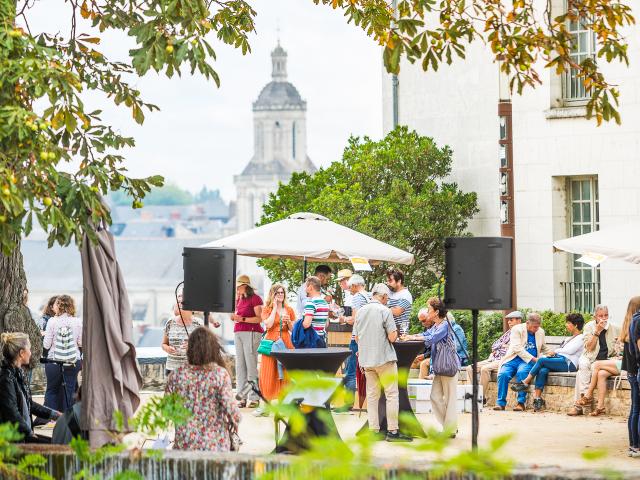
[323, 272]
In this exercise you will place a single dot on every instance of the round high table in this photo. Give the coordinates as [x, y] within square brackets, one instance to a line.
[314, 405]
[406, 353]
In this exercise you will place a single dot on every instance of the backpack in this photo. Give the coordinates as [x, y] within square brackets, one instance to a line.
[65, 349]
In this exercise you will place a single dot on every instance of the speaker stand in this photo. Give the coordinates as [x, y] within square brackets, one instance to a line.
[475, 418]
[206, 319]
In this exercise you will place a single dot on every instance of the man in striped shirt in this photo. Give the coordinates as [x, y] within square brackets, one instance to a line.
[400, 300]
[316, 308]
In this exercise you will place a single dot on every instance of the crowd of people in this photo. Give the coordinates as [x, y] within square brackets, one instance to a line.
[197, 367]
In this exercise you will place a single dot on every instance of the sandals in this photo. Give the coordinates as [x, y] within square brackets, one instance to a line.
[584, 400]
[519, 408]
[597, 412]
[499, 408]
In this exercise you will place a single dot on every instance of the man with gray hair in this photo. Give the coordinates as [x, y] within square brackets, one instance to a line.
[498, 350]
[599, 337]
[527, 343]
[424, 358]
[375, 330]
[359, 298]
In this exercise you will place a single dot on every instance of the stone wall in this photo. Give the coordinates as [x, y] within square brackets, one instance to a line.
[63, 464]
[153, 377]
[559, 395]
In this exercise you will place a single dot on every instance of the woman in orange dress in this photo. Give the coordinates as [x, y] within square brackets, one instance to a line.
[276, 312]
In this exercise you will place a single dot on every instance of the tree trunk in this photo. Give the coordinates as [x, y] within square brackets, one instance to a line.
[14, 315]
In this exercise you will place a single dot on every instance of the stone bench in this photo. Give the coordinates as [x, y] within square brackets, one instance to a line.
[559, 394]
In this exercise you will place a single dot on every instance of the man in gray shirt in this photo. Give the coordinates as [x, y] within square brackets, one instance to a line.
[374, 330]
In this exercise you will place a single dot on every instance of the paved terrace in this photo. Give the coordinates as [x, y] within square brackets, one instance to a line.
[540, 439]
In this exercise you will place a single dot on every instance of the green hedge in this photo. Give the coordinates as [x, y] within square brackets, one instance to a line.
[489, 323]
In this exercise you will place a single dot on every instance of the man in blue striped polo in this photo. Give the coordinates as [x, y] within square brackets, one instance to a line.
[316, 308]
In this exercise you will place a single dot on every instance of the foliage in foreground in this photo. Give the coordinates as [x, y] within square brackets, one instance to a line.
[354, 458]
[394, 190]
[157, 415]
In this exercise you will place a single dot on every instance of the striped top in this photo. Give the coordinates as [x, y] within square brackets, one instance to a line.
[318, 308]
[359, 300]
[404, 300]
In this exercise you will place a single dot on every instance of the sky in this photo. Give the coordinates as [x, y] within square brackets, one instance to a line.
[203, 135]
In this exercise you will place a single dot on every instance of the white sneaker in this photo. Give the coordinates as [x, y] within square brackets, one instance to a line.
[260, 412]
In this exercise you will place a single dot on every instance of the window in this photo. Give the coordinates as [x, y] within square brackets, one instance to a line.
[584, 290]
[293, 143]
[583, 46]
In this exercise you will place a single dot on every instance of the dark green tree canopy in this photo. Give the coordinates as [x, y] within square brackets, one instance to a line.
[394, 190]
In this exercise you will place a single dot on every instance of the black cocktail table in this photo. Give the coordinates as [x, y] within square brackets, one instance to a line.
[323, 359]
[406, 353]
[319, 421]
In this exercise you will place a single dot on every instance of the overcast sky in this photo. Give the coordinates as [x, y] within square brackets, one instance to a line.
[203, 135]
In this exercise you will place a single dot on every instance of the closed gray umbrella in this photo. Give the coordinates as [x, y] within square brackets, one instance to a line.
[110, 376]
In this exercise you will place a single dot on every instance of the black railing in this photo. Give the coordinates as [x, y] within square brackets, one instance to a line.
[581, 296]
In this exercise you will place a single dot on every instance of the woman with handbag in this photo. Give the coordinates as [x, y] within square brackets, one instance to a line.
[204, 384]
[445, 364]
[278, 319]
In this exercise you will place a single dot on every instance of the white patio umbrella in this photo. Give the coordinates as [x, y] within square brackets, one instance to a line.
[313, 238]
[621, 242]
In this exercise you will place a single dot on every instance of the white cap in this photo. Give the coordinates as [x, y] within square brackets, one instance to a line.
[514, 314]
[381, 289]
[355, 280]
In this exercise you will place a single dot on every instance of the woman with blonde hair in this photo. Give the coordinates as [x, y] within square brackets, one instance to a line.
[16, 405]
[63, 338]
[629, 334]
[278, 319]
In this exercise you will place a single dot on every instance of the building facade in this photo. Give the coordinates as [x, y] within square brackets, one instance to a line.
[279, 140]
[568, 176]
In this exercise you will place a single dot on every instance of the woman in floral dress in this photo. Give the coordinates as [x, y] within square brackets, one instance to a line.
[205, 387]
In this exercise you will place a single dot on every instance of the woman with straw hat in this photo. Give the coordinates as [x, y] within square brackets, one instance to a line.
[247, 333]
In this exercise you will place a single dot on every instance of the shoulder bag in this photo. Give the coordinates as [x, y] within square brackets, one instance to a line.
[266, 345]
[446, 361]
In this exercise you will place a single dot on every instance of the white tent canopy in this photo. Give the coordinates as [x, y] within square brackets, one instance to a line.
[311, 237]
[621, 242]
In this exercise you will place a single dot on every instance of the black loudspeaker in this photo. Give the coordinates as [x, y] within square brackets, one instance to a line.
[478, 273]
[209, 279]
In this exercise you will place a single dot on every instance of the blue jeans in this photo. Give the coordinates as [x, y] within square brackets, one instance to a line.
[552, 364]
[54, 396]
[634, 414]
[350, 372]
[518, 368]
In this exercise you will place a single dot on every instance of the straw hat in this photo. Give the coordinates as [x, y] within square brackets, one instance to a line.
[344, 273]
[244, 280]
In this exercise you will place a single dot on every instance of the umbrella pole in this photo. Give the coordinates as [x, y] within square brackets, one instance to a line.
[304, 269]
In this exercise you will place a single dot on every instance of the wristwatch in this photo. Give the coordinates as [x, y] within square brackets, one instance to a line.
[243, 319]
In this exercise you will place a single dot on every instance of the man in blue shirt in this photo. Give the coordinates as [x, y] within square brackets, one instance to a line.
[526, 345]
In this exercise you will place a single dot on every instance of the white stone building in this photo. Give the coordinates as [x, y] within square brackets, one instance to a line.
[569, 175]
[280, 143]
[280, 148]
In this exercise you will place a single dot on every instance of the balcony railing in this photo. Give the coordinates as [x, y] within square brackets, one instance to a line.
[580, 296]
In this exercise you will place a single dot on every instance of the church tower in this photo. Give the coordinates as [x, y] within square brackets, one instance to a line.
[279, 143]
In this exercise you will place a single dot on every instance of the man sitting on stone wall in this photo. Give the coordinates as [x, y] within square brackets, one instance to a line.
[423, 360]
[600, 337]
[527, 343]
[498, 351]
